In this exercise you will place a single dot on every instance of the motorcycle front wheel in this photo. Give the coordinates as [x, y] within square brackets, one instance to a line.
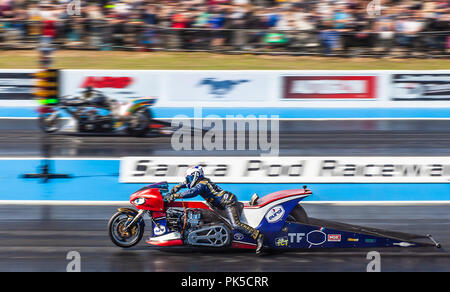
[49, 122]
[122, 237]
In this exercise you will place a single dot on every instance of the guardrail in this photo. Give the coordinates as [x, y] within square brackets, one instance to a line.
[102, 35]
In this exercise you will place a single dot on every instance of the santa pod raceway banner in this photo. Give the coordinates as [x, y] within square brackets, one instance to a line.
[332, 179]
[266, 170]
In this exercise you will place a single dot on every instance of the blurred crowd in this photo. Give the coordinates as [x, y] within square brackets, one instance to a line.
[331, 24]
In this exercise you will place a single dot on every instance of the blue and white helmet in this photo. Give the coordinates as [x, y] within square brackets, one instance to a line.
[193, 176]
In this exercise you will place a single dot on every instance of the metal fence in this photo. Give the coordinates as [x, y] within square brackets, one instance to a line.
[102, 35]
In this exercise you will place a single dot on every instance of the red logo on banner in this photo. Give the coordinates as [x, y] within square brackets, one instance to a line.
[107, 82]
[330, 87]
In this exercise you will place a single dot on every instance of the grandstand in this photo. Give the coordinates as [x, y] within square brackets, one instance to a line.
[380, 28]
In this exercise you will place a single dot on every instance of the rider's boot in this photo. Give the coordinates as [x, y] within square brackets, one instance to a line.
[260, 243]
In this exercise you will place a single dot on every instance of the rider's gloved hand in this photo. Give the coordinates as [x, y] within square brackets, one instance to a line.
[175, 189]
[170, 197]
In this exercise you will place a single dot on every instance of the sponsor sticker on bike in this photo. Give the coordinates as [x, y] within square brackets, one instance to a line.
[159, 230]
[316, 237]
[282, 241]
[334, 237]
[351, 239]
[238, 236]
[275, 214]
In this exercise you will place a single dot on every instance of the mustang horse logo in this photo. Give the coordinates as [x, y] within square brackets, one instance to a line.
[221, 88]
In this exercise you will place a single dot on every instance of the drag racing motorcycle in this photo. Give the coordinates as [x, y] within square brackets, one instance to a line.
[101, 115]
[279, 216]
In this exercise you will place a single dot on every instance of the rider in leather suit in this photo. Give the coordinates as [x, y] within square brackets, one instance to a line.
[199, 185]
[90, 97]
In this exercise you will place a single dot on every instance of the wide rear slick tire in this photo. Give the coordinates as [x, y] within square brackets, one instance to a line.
[139, 126]
[298, 215]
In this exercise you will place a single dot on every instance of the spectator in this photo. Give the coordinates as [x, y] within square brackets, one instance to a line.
[216, 22]
[339, 23]
[384, 27]
[329, 38]
[408, 28]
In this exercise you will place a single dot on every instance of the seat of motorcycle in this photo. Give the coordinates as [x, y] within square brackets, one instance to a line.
[223, 213]
[260, 202]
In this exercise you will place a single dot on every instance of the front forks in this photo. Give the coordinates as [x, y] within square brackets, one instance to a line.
[134, 220]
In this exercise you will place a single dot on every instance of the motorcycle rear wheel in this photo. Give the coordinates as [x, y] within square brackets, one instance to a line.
[121, 237]
[139, 125]
[298, 215]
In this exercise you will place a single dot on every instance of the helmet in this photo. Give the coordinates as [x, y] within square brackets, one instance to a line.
[193, 176]
[88, 92]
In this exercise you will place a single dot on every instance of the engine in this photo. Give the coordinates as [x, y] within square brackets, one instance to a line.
[200, 227]
[94, 120]
[178, 219]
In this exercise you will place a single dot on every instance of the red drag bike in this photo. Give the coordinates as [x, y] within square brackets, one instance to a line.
[278, 216]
